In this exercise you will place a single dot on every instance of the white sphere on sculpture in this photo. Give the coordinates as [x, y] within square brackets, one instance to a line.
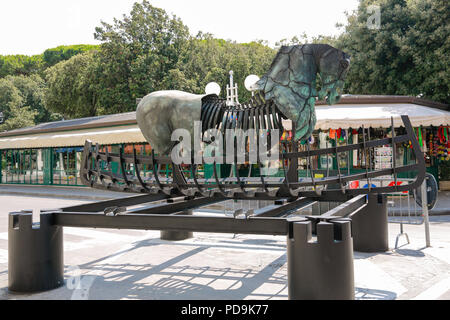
[212, 88]
[250, 81]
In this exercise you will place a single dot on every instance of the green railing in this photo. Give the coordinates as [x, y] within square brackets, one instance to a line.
[60, 166]
[49, 166]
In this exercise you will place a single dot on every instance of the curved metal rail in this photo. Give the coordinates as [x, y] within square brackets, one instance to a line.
[96, 171]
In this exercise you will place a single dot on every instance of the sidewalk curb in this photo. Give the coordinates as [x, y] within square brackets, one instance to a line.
[59, 196]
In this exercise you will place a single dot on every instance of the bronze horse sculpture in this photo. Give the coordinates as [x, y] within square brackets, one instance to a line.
[298, 76]
[289, 85]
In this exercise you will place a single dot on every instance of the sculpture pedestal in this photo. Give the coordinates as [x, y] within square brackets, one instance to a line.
[35, 254]
[170, 235]
[320, 269]
[370, 226]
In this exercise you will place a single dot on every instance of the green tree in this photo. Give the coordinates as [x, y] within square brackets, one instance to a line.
[136, 54]
[407, 55]
[9, 97]
[207, 59]
[20, 65]
[32, 89]
[71, 87]
[19, 117]
[62, 53]
[13, 105]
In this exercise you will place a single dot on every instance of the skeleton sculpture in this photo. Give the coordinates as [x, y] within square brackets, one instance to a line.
[287, 90]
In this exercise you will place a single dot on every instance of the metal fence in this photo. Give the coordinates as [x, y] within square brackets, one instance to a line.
[48, 166]
[58, 166]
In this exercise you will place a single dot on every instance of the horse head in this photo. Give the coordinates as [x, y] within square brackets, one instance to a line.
[291, 82]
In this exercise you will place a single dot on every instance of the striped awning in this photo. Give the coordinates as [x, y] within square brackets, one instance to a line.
[104, 136]
[378, 116]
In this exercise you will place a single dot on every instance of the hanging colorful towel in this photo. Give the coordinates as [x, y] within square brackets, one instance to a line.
[419, 136]
[443, 134]
[332, 134]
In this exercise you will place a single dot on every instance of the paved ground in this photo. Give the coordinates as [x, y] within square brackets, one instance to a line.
[82, 193]
[113, 264]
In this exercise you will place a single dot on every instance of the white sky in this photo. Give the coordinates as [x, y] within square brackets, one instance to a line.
[31, 26]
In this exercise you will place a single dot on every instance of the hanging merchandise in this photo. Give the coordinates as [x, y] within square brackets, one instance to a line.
[343, 135]
[446, 134]
[430, 143]
[441, 144]
[424, 139]
[355, 152]
[443, 134]
[286, 136]
[419, 137]
[323, 140]
[332, 134]
[436, 144]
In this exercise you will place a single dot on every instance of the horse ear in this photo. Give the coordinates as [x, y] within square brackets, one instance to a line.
[260, 84]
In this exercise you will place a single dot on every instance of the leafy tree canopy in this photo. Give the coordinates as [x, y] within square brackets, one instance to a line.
[207, 59]
[71, 89]
[62, 53]
[149, 50]
[406, 55]
[21, 101]
[136, 53]
[15, 65]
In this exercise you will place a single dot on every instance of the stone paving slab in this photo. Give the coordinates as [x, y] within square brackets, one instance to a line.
[128, 264]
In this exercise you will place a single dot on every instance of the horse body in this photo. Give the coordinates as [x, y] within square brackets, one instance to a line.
[290, 84]
[161, 112]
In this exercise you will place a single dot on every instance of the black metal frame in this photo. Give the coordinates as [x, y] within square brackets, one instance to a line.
[270, 220]
[31, 246]
[248, 188]
[165, 204]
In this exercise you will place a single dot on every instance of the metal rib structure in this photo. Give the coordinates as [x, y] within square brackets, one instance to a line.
[185, 180]
[257, 114]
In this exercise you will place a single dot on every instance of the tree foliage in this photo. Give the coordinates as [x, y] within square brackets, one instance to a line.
[19, 117]
[71, 87]
[15, 65]
[407, 55]
[21, 101]
[62, 53]
[136, 54]
[207, 59]
[31, 89]
[149, 50]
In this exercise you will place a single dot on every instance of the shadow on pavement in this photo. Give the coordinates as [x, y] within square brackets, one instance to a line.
[102, 280]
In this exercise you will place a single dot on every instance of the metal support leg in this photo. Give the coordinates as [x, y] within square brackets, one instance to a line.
[35, 253]
[426, 218]
[171, 235]
[322, 269]
[370, 226]
[402, 233]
